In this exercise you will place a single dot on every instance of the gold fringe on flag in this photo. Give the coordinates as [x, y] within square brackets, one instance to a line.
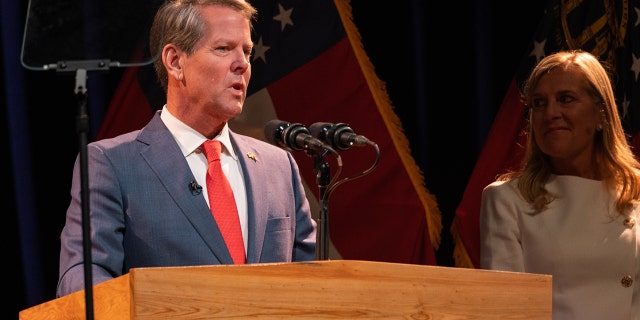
[394, 126]
[460, 255]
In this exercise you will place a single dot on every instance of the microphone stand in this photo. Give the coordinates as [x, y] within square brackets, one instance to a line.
[326, 185]
[323, 178]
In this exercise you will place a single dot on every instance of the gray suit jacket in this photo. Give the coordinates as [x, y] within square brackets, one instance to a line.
[145, 214]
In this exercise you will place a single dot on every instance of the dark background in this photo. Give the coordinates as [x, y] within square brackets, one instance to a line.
[446, 65]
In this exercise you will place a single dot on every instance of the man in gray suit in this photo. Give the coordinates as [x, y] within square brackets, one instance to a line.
[148, 195]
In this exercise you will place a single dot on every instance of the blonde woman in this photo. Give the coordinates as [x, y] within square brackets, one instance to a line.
[571, 211]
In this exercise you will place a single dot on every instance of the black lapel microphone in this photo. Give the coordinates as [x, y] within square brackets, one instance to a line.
[195, 188]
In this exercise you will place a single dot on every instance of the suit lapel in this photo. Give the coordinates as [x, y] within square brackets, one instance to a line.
[163, 155]
[254, 175]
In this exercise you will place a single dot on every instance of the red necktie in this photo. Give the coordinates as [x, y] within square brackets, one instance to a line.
[222, 202]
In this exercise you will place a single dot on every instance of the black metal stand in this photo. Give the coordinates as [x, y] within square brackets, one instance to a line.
[326, 185]
[323, 179]
[82, 127]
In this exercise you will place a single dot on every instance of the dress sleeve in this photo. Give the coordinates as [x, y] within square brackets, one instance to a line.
[500, 236]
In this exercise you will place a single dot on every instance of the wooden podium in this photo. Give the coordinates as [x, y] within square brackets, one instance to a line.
[331, 289]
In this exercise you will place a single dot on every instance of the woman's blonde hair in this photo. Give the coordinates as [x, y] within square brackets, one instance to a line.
[616, 162]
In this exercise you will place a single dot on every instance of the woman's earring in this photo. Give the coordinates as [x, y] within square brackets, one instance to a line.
[599, 127]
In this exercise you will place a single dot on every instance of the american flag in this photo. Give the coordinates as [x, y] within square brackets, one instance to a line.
[309, 66]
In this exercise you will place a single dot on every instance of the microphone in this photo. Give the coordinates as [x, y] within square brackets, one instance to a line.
[195, 188]
[338, 136]
[291, 135]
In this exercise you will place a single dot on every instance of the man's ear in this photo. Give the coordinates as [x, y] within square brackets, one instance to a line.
[171, 58]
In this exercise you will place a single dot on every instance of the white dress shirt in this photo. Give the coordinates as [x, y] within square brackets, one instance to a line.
[190, 141]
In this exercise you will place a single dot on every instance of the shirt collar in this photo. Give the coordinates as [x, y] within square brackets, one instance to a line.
[189, 140]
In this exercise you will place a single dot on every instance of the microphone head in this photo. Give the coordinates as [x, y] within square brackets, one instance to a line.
[290, 136]
[295, 135]
[342, 136]
[336, 135]
[273, 132]
[319, 130]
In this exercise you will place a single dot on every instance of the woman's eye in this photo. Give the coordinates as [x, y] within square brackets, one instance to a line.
[537, 104]
[566, 99]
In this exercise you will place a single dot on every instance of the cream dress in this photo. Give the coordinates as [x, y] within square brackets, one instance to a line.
[590, 250]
